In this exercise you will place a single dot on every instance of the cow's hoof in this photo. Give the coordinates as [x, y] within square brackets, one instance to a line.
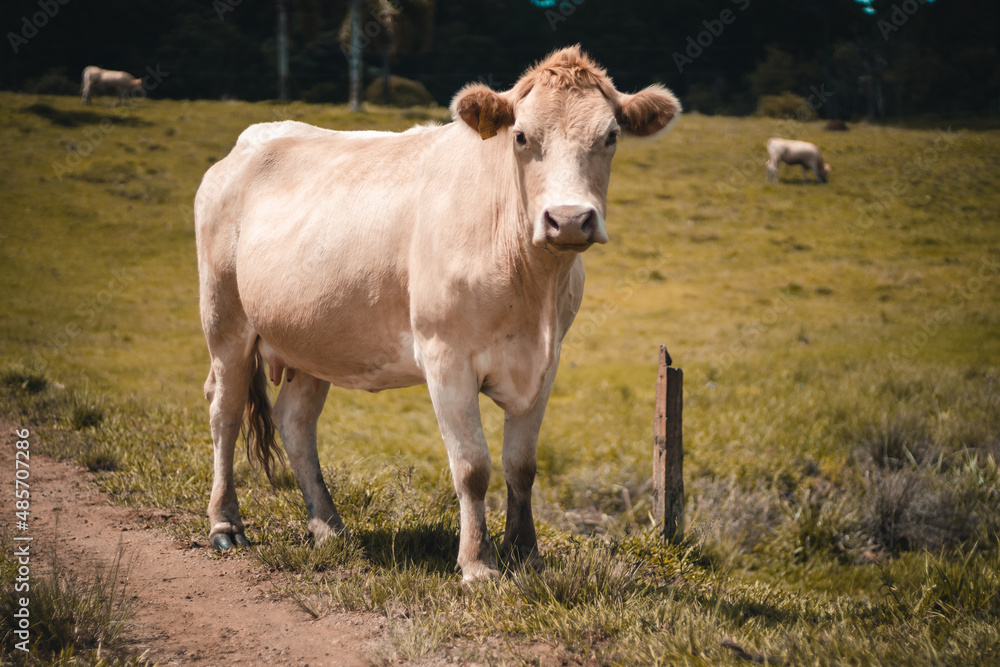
[223, 542]
[322, 531]
[475, 574]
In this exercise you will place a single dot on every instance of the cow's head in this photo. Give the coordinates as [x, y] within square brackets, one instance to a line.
[562, 120]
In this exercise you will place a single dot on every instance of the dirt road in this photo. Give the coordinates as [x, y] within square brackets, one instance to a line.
[191, 608]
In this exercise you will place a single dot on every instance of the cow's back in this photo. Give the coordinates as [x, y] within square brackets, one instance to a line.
[314, 226]
[792, 151]
[98, 80]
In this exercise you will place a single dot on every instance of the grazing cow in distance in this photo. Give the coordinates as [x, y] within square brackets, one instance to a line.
[97, 81]
[446, 255]
[791, 151]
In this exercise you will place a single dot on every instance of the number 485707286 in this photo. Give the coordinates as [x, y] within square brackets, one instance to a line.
[22, 492]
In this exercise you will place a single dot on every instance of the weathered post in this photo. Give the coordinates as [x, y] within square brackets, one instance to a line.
[668, 453]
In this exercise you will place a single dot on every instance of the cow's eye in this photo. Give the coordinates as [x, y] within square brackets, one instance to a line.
[520, 138]
[612, 138]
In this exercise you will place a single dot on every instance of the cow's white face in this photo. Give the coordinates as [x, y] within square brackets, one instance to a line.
[563, 138]
[563, 142]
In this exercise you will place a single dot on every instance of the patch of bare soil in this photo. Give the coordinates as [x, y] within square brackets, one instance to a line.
[190, 608]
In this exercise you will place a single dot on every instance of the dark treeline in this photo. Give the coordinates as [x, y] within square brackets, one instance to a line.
[720, 56]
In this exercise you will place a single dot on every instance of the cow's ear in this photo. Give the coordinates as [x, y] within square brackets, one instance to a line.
[649, 112]
[482, 109]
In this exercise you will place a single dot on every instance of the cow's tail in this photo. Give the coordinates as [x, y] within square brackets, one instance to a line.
[258, 423]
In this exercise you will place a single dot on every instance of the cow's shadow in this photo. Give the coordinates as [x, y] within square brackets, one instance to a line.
[67, 118]
[432, 547]
[797, 181]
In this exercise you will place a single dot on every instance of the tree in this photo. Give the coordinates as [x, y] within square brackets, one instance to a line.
[775, 74]
[391, 26]
[355, 55]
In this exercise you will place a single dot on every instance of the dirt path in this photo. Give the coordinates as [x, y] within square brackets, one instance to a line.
[191, 609]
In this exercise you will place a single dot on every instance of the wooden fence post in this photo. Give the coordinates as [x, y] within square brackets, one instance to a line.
[668, 452]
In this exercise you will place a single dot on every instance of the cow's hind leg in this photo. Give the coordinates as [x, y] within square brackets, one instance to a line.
[227, 390]
[296, 412]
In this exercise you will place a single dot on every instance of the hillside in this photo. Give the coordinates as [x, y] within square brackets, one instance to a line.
[842, 406]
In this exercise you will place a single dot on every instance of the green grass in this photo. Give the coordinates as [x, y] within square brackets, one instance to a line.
[842, 405]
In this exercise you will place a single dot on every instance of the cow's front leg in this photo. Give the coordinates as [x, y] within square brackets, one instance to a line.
[520, 443]
[455, 394]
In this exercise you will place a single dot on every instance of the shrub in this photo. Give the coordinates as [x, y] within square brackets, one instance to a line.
[404, 92]
[86, 410]
[785, 105]
[897, 441]
[86, 416]
[27, 381]
[887, 518]
[53, 82]
[326, 91]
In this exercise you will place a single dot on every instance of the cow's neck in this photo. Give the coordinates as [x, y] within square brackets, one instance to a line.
[535, 275]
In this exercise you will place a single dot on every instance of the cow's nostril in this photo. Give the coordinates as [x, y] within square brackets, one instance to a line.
[551, 222]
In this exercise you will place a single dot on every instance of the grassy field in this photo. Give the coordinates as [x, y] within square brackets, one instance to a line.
[841, 349]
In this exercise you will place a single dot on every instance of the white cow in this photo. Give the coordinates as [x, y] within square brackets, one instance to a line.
[791, 151]
[448, 255]
[97, 81]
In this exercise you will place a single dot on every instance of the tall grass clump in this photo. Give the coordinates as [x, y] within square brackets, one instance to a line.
[587, 574]
[24, 380]
[76, 618]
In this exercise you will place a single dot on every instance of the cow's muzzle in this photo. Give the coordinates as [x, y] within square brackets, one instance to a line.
[573, 227]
